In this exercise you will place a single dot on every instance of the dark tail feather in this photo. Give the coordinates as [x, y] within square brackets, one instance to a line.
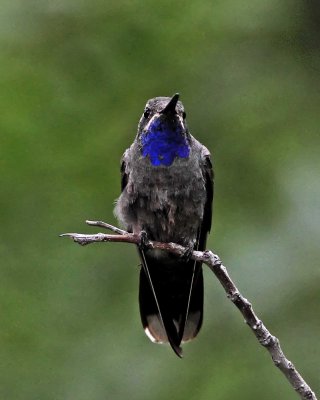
[194, 316]
[171, 299]
[158, 326]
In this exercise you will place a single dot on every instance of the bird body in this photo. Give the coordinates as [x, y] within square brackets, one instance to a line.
[167, 191]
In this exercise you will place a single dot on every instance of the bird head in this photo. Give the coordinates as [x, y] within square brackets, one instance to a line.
[162, 131]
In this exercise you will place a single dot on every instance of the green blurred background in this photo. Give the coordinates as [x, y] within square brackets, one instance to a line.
[75, 76]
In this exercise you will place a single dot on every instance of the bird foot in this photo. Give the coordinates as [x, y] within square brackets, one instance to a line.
[144, 241]
[186, 256]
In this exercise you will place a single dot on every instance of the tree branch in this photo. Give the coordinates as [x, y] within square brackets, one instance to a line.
[265, 338]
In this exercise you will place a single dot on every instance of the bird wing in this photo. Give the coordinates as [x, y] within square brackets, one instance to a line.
[124, 175]
[208, 176]
[193, 317]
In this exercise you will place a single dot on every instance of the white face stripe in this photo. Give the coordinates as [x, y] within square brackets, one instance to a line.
[181, 122]
[156, 115]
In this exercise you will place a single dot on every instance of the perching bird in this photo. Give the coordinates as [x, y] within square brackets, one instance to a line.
[167, 192]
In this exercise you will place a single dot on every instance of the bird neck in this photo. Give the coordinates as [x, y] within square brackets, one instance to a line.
[163, 142]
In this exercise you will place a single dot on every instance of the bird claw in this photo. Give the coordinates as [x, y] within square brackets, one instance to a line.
[186, 256]
[144, 241]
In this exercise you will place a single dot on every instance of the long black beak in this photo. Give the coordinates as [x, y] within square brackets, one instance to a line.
[171, 106]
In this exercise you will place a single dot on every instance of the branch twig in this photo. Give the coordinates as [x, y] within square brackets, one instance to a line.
[265, 338]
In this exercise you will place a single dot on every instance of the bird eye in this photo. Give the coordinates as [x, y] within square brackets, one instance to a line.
[184, 115]
[146, 113]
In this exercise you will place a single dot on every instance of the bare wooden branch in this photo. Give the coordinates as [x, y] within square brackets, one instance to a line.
[105, 225]
[265, 338]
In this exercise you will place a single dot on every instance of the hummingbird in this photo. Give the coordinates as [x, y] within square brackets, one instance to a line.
[167, 193]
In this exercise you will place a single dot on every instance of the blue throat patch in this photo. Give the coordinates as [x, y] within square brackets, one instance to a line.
[164, 142]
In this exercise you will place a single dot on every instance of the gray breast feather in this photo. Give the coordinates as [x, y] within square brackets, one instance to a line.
[167, 202]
